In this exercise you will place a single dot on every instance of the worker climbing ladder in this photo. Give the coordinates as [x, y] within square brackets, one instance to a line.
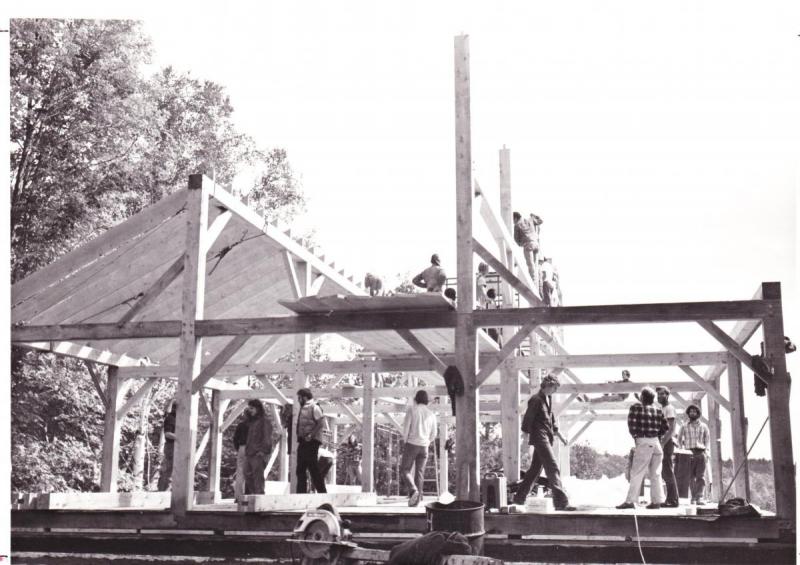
[431, 466]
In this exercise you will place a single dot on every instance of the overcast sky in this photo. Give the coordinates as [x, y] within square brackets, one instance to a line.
[659, 141]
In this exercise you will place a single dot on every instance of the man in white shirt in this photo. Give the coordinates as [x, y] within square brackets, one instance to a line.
[668, 445]
[419, 430]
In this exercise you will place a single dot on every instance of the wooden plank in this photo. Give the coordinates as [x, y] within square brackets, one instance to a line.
[201, 447]
[368, 435]
[210, 370]
[520, 285]
[621, 360]
[109, 472]
[218, 406]
[94, 252]
[510, 417]
[149, 296]
[135, 398]
[509, 347]
[233, 415]
[191, 345]
[84, 353]
[778, 396]
[467, 440]
[291, 272]
[680, 386]
[729, 343]
[275, 502]
[580, 432]
[422, 350]
[101, 500]
[97, 385]
[563, 406]
[253, 218]
[355, 321]
[709, 388]
[715, 452]
[741, 485]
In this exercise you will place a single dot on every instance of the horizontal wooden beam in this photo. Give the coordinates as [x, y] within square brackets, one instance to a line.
[620, 360]
[85, 353]
[410, 364]
[629, 387]
[365, 321]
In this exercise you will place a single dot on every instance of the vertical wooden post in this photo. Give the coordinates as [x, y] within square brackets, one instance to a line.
[189, 364]
[302, 343]
[283, 456]
[467, 444]
[506, 216]
[115, 393]
[215, 439]
[368, 435]
[444, 463]
[510, 417]
[778, 394]
[741, 486]
[715, 453]
[334, 451]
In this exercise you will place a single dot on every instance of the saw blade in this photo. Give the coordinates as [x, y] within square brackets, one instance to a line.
[321, 537]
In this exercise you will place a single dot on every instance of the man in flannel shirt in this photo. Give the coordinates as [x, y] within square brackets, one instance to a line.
[647, 424]
[694, 436]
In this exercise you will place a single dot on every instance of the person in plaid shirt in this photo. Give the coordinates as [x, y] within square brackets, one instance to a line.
[694, 436]
[646, 424]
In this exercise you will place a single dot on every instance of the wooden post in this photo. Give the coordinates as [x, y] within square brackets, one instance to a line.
[506, 215]
[283, 456]
[778, 395]
[510, 417]
[368, 435]
[302, 344]
[115, 393]
[191, 357]
[215, 439]
[467, 444]
[715, 453]
[741, 486]
[444, 466]
[334, 451]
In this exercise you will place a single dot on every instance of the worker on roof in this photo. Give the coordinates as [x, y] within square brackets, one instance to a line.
[433, 278]
[373, 284]
[526, 235]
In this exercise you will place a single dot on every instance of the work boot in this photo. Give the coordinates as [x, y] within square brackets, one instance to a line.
[414, 498]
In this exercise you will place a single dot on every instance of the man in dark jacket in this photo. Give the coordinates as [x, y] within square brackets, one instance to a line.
[539, 423]
[310, 425]
[258, 446]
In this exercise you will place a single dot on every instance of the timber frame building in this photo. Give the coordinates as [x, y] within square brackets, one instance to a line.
[195, 288]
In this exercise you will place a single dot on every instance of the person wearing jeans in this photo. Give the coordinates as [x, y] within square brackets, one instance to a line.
[668, 445]
[538, 422]
[310, 425]
[694, 436]
[646, 424]
[419, 430]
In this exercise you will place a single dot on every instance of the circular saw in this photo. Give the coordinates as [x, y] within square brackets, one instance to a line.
[321, 535]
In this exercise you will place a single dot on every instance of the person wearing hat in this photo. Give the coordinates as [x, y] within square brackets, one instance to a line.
[694, 436]
[165, 470]
[526, 235]
[646, 424]
[668, 446]
[419, 430]
[539, 424]
[433, 278]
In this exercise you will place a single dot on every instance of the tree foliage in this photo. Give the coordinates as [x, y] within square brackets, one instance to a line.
[94, 139]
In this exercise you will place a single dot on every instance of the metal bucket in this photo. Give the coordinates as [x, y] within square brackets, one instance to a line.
[462, 516]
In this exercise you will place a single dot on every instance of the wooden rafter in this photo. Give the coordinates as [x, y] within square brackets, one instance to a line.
[509, 347]
[421, 349]
[706, 386]
[97, 384]
[730, 344]
[210, 370]
[135, 398]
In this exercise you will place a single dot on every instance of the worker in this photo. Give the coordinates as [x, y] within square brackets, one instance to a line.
[540, 426]
[694, 436]
[351, 455]
[548, 286]
[668, 446]
[419, 430]
[258, 446]
[433, 278]
[373, 284]
[647, 425]
[481, 299]
[526, 235]
[310, 426]
[617, 396]
[240, 446]
[165, 471]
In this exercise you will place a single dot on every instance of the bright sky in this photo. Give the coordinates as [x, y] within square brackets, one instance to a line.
[659, 142]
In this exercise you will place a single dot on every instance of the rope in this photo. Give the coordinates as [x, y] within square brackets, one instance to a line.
[742, 464]
[638, 538]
